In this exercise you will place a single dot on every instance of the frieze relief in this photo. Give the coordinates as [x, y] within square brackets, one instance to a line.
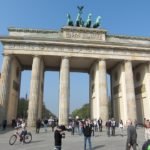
[67, 49]
[89, 36]
[27, 46]
[44, 47]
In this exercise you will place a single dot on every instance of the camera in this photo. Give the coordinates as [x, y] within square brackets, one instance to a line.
[63, 135]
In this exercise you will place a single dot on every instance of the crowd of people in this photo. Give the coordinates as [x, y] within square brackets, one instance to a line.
[87, 128]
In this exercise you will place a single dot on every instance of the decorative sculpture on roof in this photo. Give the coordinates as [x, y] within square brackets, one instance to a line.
[97, 23]
[80, 8]
[79, 21]
[69, 20]
[89, 21]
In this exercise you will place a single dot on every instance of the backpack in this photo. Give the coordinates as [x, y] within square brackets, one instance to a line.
[146, 145]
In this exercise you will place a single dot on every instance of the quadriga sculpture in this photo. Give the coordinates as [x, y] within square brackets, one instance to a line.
[69, 20]
[97, 23]
[89, 21]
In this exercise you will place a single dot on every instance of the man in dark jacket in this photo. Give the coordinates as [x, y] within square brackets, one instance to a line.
[131, 136]
[108, 126]
[58, 135]
[87, 130]
[38, 125]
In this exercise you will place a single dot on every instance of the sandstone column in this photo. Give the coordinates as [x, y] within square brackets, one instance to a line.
[91, 92]
[34, 91]
[94, 91]
[130, 92]
[103, 97]
[14, 91]
[4, 86]
[147, 101]
[41, 89]
[64, 91]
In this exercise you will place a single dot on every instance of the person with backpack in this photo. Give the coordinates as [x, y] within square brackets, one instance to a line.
[146, 145]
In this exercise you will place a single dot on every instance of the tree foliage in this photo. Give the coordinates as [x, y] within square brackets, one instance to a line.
[23, 109]
[46, 113]
[83, 112]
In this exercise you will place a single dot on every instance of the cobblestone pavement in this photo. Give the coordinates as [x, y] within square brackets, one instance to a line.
[45, 141]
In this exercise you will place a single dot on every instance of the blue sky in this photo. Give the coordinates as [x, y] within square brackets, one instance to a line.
[121, 17]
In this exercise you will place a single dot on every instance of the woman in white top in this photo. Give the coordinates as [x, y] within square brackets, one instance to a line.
[121, 127]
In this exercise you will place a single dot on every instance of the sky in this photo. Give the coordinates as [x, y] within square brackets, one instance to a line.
[119, 17]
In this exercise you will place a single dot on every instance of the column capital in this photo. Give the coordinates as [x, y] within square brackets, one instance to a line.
[127, 60]
[65, 57]
[5, 54]
[102, 59]
[36, 56]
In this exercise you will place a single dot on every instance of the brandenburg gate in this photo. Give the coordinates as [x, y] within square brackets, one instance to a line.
[126, 59]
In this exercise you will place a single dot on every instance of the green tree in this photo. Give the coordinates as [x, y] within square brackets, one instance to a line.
[22, 108]
[46, 113]
[83, 112]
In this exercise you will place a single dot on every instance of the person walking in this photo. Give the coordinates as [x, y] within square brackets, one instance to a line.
[45, 124]
[121, 127]
[131, 136]
[100, 124]
[38, 125]
[113, 126]
[108, 126]
[72, 127]
[87, 130]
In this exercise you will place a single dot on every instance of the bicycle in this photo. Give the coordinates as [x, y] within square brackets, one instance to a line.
[26, 138]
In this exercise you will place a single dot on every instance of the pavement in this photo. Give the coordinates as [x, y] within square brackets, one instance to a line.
[45, 140]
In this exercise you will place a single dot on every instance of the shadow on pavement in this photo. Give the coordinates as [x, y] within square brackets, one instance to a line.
[8, 129]
[97, 147]
[37, 141]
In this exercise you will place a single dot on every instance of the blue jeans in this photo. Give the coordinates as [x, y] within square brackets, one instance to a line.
[89, 141]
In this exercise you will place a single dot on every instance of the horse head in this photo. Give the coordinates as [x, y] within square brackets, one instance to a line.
[98, 19]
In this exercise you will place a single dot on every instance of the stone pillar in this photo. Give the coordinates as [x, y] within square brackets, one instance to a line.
[64, 91]
[130, 92]
[34, 91]
[4, 86]
[118, 92]
[146, 101]
[41, 89]
[103, 97]
[94, 92]
[91, 96]
[14, 91]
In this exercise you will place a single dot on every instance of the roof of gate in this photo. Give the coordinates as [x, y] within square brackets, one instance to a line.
[75, 37]
[78, 34]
